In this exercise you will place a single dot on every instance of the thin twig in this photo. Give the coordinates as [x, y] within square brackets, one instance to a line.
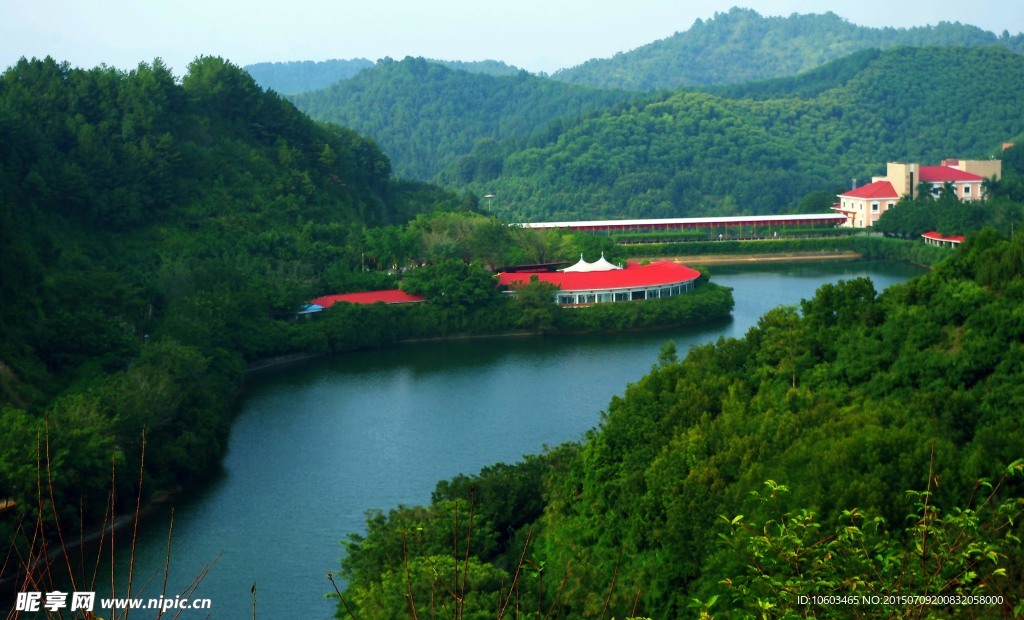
[515, 578]
[348, 610]
[408, 581]
[135, 526]
[469, 540]
[611, 589]
[167, 561]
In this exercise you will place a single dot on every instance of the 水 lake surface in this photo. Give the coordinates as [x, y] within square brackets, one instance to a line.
[317, 444]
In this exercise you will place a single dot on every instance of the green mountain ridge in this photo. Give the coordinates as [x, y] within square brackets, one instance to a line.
[759, 148]
[301, 76]
[740, 46]
[424, 114]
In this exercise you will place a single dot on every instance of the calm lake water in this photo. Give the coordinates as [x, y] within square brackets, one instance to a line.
[319, 443]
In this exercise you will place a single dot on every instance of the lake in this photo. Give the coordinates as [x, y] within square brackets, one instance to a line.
[317, 444]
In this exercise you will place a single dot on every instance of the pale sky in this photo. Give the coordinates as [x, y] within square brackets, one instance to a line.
[536, 35]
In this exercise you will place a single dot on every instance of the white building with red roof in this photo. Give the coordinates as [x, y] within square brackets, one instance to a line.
[601, 281]
[863, 205]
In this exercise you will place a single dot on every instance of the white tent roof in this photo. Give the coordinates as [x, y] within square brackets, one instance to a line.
[601, 264]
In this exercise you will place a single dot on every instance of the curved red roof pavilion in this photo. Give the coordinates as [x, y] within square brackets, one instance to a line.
[663, 278]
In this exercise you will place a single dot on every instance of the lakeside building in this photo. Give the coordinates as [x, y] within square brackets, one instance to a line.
[738, 222]
[602, 282]
[862, 206]
[942, 241]
[389, 296]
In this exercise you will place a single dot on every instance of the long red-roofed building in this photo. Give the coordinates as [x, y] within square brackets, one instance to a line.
[947, 241]
[600, 282]
[390, 296]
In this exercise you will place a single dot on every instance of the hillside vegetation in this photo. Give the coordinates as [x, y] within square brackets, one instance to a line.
[548, 153]
[298, 77]
[424, 114]
[742, 46]
[158, 236]
[755, 471]
[291, 78]
[762, 148]
[153, 234]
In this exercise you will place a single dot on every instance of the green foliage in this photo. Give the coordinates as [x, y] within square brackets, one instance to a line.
[154, 233]
[425, 115]
[686, 154]
[742, 46]
[535, 305]
[794, 564]
[852, 398]
[452, 283]
[299, 77]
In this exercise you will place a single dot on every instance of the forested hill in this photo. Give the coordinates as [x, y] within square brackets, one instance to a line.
[424, 115]
[292, 78]
[741, 46]
[854, 446]
[152, 233]
[298, 77]
[763, 149]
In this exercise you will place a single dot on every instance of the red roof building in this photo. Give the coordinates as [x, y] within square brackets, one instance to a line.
[391, 296]
[633, 283]
[945, 241]
[863, 205]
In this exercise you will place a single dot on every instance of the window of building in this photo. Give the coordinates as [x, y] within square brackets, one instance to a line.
[967, 190]
[621, 296]
[874, 207]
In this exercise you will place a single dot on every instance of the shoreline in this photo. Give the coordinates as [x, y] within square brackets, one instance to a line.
[724, 259]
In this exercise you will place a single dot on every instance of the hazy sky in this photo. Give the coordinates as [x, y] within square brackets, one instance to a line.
[537, 35]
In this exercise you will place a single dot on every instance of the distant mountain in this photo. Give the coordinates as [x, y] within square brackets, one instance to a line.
[485, 67]
[760, 148]
[292, 78]
[741, 45]
[425, 115]
[299, 77]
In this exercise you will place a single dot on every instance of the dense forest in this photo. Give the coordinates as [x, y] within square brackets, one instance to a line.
[158, 236]
[152, 233]
[289, 78]
[691, 153]
[860, 443]
[424, 114]
[743, 46]
[292, 78]
[549, 154]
